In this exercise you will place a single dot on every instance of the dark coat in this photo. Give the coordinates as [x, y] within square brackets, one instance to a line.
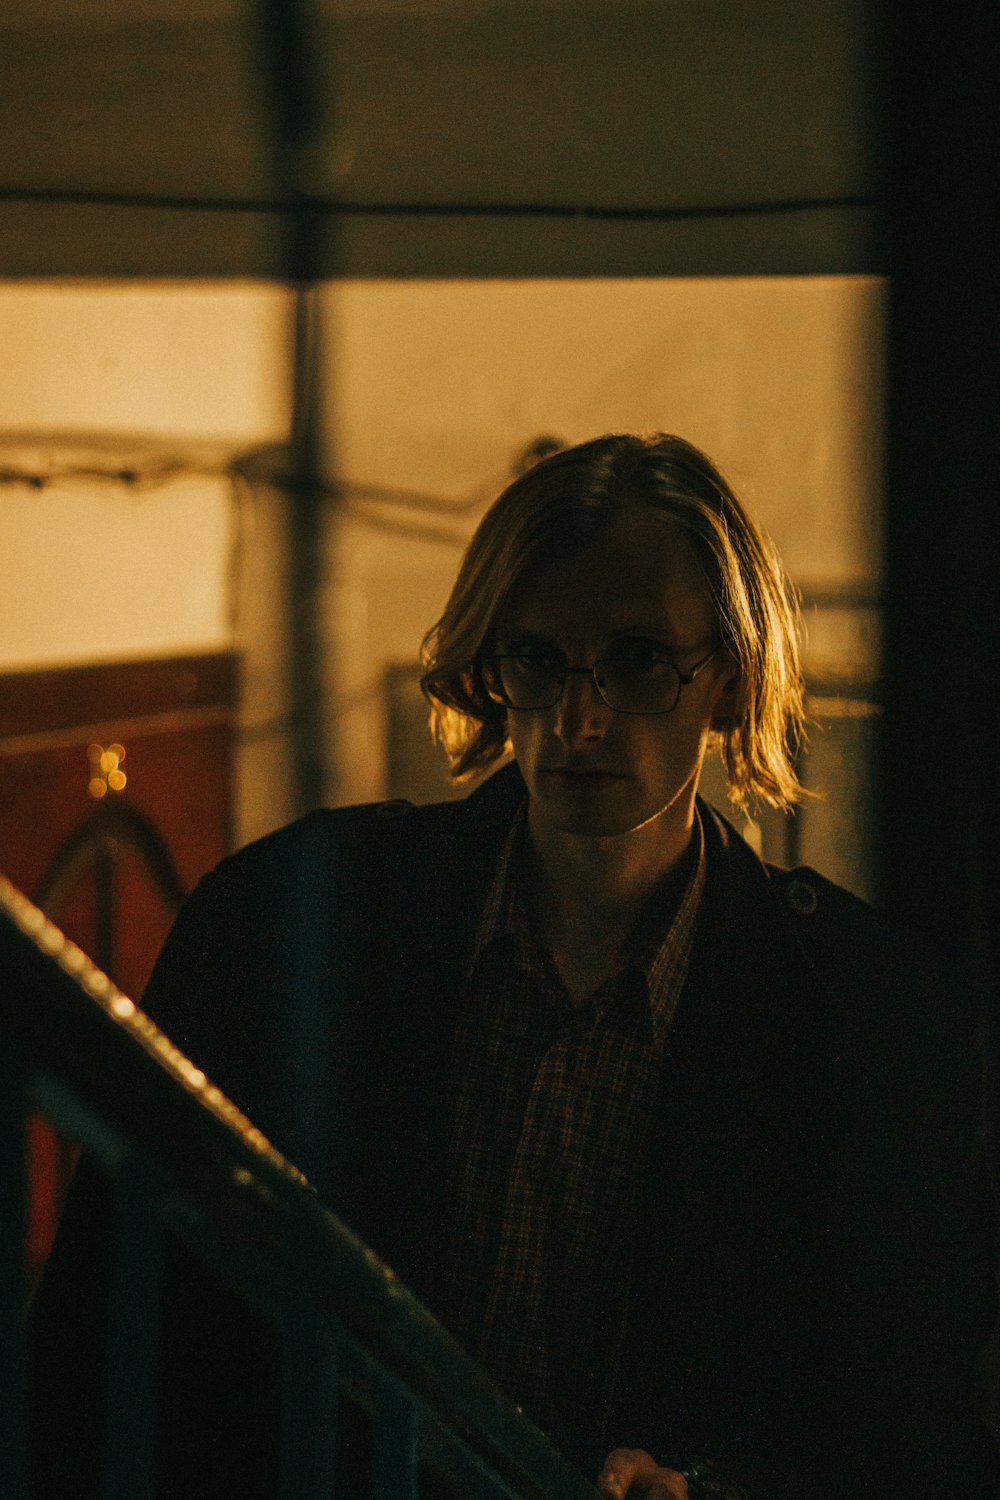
[813, 1262]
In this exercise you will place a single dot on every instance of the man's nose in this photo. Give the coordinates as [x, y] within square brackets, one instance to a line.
[581, 713]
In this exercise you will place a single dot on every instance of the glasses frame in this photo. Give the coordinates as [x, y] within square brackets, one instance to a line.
[684, 679]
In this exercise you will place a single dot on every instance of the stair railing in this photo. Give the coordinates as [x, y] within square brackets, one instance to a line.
[185, 1161]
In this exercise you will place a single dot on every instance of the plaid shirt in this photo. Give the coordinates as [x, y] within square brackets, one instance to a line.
[552, 1104]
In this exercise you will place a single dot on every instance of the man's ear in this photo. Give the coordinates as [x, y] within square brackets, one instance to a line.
[729, 682]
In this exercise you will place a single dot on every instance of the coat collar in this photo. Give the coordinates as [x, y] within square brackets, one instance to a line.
[742, 1023]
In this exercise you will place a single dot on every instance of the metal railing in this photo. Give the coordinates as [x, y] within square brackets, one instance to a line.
[185, 1161]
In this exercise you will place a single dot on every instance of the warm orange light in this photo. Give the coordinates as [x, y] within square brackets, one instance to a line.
[105, 767]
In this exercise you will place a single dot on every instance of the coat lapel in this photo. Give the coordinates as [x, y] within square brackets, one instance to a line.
[738, 1166]
[436, 864]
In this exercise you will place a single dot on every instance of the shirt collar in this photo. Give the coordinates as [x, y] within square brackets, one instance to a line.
[663, 954]
[505, 913]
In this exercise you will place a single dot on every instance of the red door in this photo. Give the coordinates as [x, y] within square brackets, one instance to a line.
[116, 795]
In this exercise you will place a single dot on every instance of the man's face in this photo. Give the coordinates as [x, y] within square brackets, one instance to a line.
[589, 770]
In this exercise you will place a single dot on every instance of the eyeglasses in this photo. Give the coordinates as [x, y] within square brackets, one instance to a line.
[638, 681]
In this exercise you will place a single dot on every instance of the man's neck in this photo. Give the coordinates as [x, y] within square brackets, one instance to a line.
[588, 894]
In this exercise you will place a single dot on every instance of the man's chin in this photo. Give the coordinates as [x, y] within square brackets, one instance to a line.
[593, 822]
[592, 829]
[606, 817]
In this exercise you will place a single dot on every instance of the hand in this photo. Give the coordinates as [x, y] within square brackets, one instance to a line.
[632, 1472]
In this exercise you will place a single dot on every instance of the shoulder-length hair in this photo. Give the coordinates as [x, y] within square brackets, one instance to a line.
[566, 501]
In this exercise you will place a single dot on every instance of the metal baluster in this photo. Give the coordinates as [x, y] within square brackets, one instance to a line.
[464, 1471]
[394, 1473]
[133, 1336]
[309, 1413]
[12, 1222]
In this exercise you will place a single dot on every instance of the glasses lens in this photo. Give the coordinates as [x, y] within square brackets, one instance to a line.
[638, 687]
[524, 682]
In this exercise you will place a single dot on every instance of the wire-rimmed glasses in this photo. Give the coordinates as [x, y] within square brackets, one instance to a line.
[631, 683]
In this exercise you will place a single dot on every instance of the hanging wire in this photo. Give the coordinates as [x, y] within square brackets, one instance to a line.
[346, 208]
[263, 465]
[139, 477]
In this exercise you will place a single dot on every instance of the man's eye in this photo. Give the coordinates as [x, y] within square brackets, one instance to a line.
[536, 656]
[642, 654]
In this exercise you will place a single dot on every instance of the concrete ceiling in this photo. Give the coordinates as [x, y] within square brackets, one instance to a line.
[529, 137]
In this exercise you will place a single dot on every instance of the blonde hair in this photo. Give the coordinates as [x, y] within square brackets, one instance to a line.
[560, 505]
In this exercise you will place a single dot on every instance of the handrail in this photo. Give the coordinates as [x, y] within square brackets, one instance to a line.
[102, 1071]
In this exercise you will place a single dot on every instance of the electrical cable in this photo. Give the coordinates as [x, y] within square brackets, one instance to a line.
[346, 208]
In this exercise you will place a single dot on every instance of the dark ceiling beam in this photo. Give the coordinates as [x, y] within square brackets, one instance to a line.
[516, 138]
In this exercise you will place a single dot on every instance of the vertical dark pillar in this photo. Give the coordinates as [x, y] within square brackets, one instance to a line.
[941, 788]
[13, 1107]
[305, 1006]
[289, 52]
[942, 736]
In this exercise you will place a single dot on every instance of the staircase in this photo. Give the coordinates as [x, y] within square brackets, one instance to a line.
[184, 1163]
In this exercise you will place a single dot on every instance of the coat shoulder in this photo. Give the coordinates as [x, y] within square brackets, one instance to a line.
[824, 911]
[888, 982]
[393, 824]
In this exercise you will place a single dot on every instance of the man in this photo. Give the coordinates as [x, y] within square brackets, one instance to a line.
[682, 1147]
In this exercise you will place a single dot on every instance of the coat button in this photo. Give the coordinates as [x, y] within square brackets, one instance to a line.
[397, 807]
[801, 897]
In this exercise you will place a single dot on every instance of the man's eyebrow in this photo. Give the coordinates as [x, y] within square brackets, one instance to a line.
[645, 632]
[656, 636]
[513, 633]
[641, 632]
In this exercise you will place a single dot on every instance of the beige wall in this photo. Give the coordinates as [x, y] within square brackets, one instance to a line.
[97, 378]
[442, 384]
[437, 386]
[780, 380]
